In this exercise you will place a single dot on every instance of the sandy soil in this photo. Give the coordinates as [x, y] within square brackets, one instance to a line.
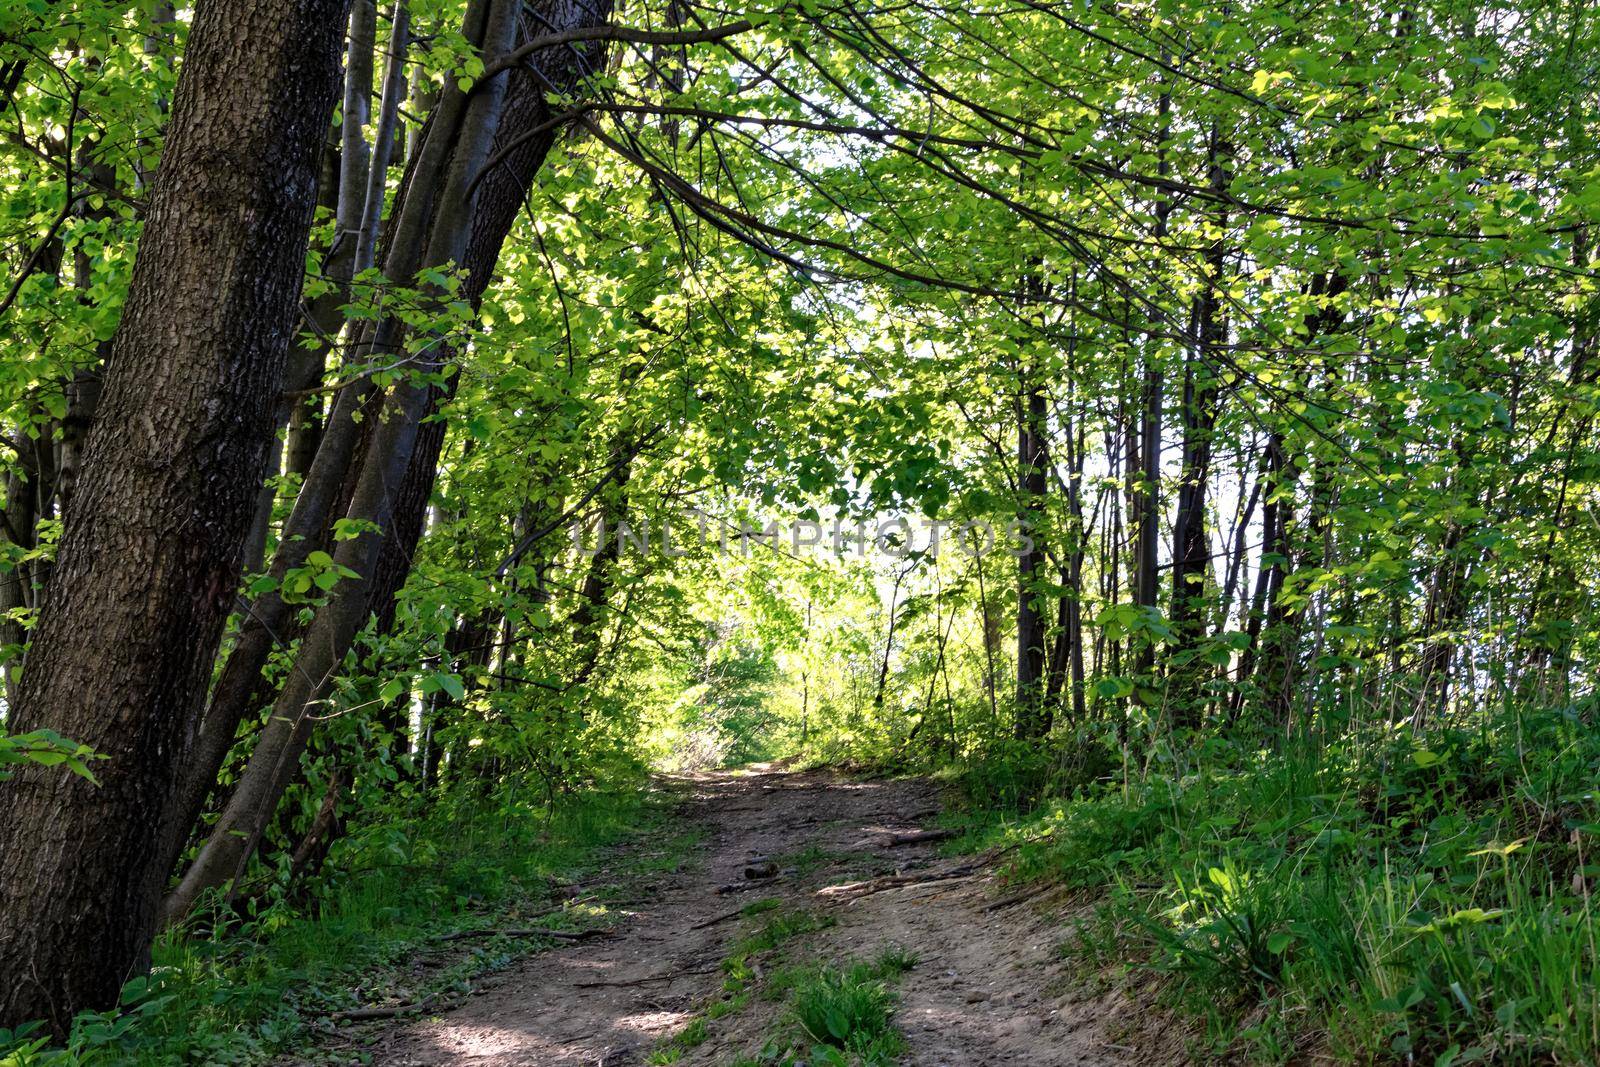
[989, 988]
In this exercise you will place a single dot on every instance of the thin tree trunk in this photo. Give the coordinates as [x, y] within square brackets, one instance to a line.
[1191, 541]
[1143, 473]
[588, 618]
[1033, 717]
[888, 642]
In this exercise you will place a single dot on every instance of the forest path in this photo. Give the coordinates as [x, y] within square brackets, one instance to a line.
[989, 985]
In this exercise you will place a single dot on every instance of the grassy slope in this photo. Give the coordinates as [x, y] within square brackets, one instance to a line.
[1366, 900]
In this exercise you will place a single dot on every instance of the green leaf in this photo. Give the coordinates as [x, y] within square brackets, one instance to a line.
[451, 683]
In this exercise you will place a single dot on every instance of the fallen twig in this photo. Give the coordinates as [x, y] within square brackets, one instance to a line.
[526, 931]
[917, 837]
[354, 1015]
[718, 919]
[647, 979]
[1019, 898]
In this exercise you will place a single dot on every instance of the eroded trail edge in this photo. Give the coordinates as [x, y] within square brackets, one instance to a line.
[989, 985]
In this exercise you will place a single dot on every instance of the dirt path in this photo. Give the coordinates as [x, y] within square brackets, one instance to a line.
[988, 987]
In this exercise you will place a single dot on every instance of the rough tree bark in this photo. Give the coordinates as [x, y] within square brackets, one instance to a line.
[269, 620]
[150, 558]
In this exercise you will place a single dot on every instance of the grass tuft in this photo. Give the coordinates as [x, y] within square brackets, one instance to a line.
[849, 1009]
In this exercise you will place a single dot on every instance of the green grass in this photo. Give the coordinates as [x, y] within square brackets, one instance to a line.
[834, 1016]
[756, 907]
[693, 1034]
[727, 1006]
[778, 926]
[1374, 899]
[244, 996]
[781, 926]
[839, 1016]
[849, 1010]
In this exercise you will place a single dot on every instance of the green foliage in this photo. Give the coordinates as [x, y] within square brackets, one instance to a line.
[840, 1016]
[848, 1010]
[46, 748]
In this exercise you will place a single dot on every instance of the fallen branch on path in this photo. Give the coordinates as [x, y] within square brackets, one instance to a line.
[526, 931]
[718, 919]
[918, 837]
[856, 890]
[1023, 897]
[646, 980]
[356, 1015]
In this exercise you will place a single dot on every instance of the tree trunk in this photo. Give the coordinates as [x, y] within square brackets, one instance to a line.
[587, 623]
[326, 316]
[149, 562]
[1033, 717]
[462, 212]
[1277, 511]
[1191, 540]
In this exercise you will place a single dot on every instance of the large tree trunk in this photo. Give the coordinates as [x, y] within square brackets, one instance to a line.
[150, 558]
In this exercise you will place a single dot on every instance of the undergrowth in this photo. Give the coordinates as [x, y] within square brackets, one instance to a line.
[1370, 899]
[260, 987]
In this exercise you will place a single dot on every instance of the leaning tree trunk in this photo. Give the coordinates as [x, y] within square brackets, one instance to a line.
[150, 557]
[269, 620]
[471, 176]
